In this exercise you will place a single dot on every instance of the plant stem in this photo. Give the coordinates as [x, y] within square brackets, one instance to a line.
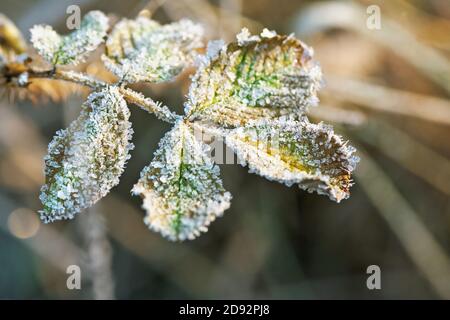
[99, 253]
[162, 112]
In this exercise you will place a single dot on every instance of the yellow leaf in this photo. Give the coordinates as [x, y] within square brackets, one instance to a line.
[296, 152]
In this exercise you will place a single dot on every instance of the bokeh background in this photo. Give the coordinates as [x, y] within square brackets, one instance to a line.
[386, 90]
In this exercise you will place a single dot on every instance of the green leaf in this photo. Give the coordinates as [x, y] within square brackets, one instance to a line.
[86, 160]
[74, 47]
[257, 77]
[142, 50]
[296, 152]
[181, 188]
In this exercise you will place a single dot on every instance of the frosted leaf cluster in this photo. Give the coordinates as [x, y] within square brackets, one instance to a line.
[181, 188]
[296, 152]
[86, 160]
[74, 47]
[253, 93]
[143, 50]
[256, 77]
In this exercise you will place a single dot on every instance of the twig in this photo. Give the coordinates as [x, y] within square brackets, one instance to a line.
[99, 255]
[162, 112]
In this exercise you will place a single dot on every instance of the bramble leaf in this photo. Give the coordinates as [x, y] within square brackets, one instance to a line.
[86, 160]
[296, 152]
[257, 77]
[74, 47]
[181, 188]
[143, 50]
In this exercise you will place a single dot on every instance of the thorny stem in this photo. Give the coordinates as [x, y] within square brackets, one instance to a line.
[162, 112]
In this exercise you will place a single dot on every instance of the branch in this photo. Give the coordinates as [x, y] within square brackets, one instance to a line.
[162, 112]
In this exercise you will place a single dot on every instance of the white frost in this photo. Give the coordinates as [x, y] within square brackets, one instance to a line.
[181, 188]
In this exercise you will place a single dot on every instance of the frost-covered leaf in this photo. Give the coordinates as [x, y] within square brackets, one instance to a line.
[296, 152]
[74, 47]
[143, 50]
[86, 160]
[257, 77]
[181, 188]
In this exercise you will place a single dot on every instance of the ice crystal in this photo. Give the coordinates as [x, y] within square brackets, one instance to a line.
[86, 160]
[74, 47]
[181, 188]
[268, 34]
[245, 37]
[143, 50]
[296, 152]
[257, 77]
[212, 51]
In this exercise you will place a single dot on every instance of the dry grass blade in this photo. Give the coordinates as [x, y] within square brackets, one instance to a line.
[431, 29]
[338, 115]
[351, 16]
[389, 100]
[215, 17]
[413, 155]
[420, 244]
